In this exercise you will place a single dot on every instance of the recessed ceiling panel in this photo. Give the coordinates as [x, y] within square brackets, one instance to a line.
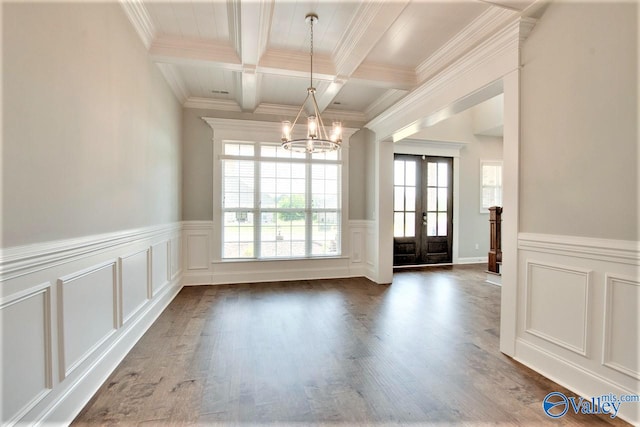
[356, 97]
[208, 82]
[283, 89]
[200, 19]
[289, 30]
[421, 29]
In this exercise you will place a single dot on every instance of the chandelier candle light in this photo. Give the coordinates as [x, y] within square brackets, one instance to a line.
[317, 140]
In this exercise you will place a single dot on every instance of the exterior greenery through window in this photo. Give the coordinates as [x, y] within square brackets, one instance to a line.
[279, 204]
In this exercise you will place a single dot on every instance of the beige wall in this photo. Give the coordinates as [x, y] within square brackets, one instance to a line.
[197, 166]
[361, 185]
[91, 131]
[579, 135]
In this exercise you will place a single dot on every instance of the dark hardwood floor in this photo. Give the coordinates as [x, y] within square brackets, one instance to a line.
[421, 351]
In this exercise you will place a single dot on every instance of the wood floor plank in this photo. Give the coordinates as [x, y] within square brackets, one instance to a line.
[422, 351]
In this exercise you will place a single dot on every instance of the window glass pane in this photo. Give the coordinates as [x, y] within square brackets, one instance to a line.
[410, 173]
[298, 170]
[231, 149]
[489, 175]
[398, 224]
[432, 199]
[398, 172]
[325, 233]
[432, 174]
[398, 198]
[268, 151]
[442, 199]
[410, 193]
[246, 149]
[410, 224]
[442, 224]
[431, 223]
[443, 176]
[238, 234]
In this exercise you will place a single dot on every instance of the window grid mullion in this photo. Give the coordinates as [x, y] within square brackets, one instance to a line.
[308, 207]
[257, 205]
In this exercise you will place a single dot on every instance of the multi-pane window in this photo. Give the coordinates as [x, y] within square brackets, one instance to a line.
[437, 198]
[404, 198]
[278, 203]
[491, 185]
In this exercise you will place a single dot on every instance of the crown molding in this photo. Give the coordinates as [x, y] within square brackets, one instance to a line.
[473, 34]
[174, 80]
[212, 104]
[501, 51]
[139, 18]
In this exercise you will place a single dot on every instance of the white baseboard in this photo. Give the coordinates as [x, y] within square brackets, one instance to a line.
[64, 409]
[473, 260]
[575, 378]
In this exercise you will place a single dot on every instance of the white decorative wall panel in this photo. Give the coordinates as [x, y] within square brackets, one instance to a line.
[87, 314]
[134, 283]
[26, 351]
[557, 304]
[175, 252]
[159, 266]
[198, 251]
[622, 325]
[356, 246]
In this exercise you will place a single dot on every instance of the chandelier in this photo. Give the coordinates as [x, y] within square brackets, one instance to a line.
[317, 139]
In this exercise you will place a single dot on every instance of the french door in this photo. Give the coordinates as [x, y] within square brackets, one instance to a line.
[422, 210]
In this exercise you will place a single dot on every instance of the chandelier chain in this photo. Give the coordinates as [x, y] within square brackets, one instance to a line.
[311, 54]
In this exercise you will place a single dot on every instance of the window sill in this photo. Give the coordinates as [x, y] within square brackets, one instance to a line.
[270, 260]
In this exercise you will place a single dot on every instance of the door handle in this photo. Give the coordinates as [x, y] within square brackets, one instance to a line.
[424, 218]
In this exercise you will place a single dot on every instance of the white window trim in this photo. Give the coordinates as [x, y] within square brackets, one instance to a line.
[249, 130]
[484, 210]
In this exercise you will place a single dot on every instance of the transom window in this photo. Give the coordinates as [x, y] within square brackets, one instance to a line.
[279, 204]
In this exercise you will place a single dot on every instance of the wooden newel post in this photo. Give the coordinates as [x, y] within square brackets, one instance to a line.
[495, 249]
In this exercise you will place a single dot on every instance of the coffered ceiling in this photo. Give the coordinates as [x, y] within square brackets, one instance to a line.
[253, 56]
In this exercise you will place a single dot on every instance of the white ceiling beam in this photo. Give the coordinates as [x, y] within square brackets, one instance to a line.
[249, 26]
[370, 22]
[296, 64]
[328, 95]
[385, 76]
[180, 50]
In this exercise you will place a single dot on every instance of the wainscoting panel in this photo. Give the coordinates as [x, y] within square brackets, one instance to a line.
[202, 268]
[557, 304]
[622, 325]
[578, 300]
[26, 320]
[159, 266]
[72, 309]
[134, 282]
[89, 294]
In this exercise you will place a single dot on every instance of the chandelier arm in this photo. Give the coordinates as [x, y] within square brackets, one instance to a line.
[293, 125]
[317, 111]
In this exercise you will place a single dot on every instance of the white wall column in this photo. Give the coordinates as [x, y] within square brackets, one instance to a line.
[384, 214]
[511, 162]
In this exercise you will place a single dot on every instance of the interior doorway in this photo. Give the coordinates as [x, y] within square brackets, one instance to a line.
[422, 210]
